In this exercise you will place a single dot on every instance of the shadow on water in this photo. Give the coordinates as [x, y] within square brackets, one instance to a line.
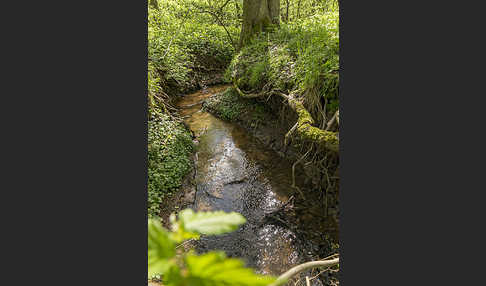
[234, 172]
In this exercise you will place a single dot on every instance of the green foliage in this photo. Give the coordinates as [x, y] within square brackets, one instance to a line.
[227, 105]
[185, 42]
[302, 57]
[160, 248]
[257, 73]
[169, 148]
[154, 87]
[214, 268]
[189, 269]
[209, 223]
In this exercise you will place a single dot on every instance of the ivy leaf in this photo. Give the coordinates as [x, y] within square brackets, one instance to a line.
[210, 222]
[214, 269]
[160, 249]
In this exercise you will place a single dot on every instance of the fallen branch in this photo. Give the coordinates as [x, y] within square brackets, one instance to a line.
[302, 267]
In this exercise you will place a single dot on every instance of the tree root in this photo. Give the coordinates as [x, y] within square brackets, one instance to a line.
[324, 138]
[293, 173]
[335, 118]
[246, 95]
[302, 267]
[327, 139]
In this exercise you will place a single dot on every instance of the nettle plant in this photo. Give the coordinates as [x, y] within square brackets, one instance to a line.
[189, 269]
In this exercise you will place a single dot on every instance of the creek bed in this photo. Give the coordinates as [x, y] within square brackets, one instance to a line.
[235, 172]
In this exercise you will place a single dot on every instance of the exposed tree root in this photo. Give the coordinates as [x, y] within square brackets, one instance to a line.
[244, 94]
[293, 173]
[335, 118]
[302, 267]
[327, 139]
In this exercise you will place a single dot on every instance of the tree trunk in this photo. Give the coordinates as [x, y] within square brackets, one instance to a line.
[258, 15]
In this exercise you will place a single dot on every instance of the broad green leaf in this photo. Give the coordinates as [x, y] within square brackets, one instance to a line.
[210, 222]
[160, 248]
[179, 234]
[214, 269]
[173, 276]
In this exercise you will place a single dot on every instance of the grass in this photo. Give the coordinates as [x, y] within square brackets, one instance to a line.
[301, 58]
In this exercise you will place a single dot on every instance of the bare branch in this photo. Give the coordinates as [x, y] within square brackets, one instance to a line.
[333, 119]
[302, 267]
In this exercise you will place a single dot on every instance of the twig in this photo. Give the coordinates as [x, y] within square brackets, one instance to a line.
[287, 202]
[202, 10]
[333, 119]
[221, 8]
[195, 177]
[177, 33]
[291, 131]
[293, 170]
[185, 242]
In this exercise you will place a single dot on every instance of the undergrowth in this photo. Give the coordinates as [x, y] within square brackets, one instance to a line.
[169, 149]
[226, 105]
[302, 57]
[185, 44]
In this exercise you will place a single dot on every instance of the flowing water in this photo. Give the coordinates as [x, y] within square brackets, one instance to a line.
[234, 172]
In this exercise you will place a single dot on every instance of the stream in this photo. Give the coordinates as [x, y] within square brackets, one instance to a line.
[234, 172]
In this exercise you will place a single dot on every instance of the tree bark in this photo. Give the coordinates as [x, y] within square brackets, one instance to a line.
[258, 15]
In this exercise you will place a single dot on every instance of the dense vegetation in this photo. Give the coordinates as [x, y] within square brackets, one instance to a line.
[169, 148]
[185, 45]
[300, 58]
[290, 52]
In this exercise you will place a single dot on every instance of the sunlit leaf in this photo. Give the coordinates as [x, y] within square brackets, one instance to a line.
[210, 222]
[160, 248]
[214, 269]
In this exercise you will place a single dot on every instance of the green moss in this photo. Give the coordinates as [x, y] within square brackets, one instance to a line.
[304, 116]
[327, 139]
[169, 149]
